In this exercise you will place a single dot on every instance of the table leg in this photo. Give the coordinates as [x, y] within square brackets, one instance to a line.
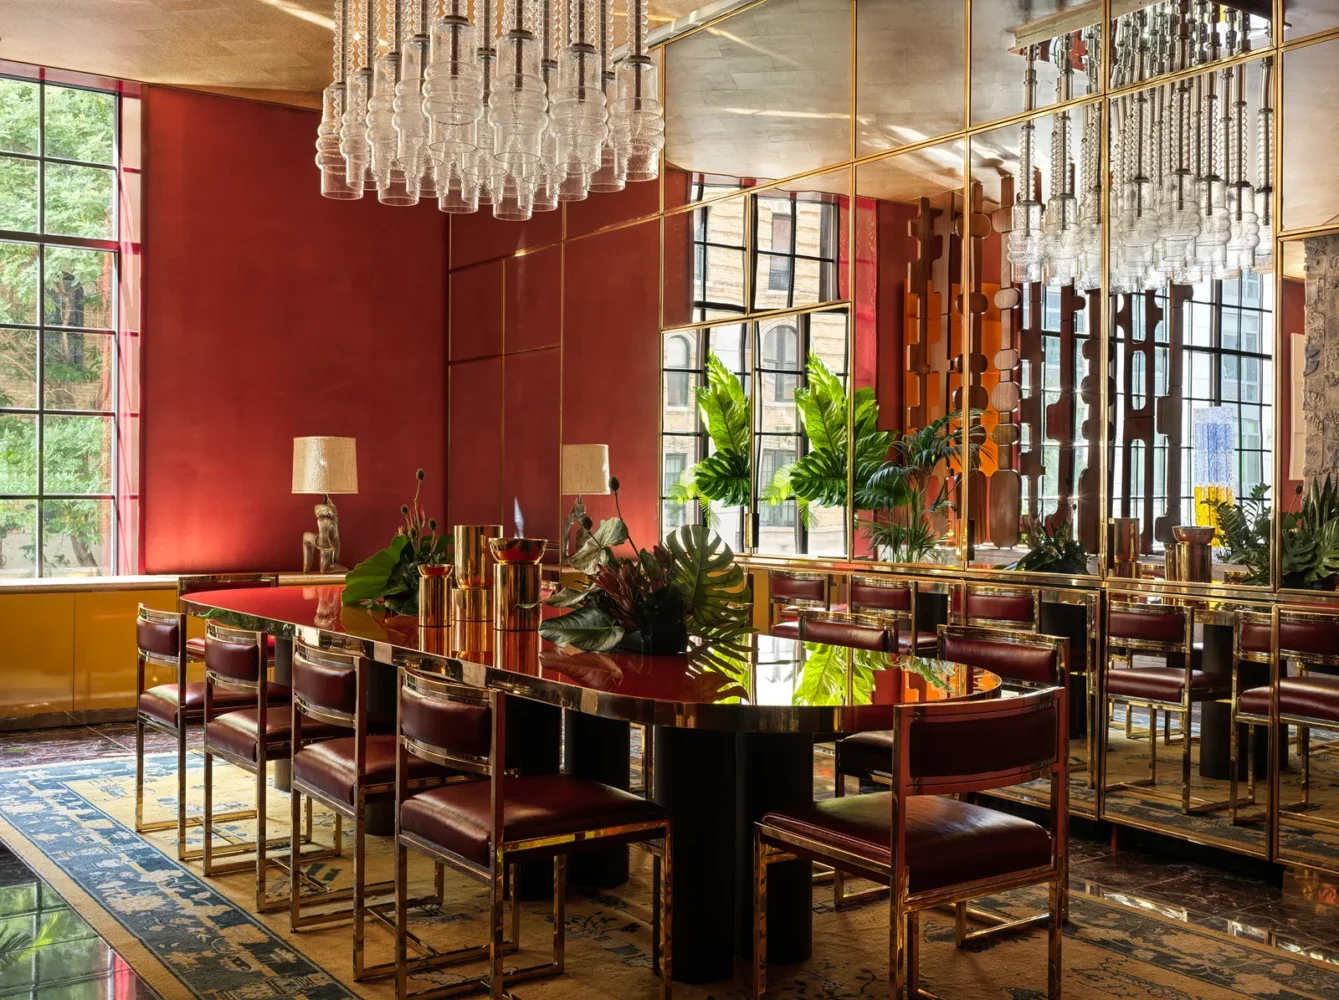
[598, 749]
[534, 731]
[283, 674]
[383, 693]
[1215, 718]
[695, 780]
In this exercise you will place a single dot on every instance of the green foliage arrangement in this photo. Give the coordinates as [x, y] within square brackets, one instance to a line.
[654, 601]
[723, 475]
[904, 517]
[819, 476]
[390, 577]
[1309, 536]
[1051, 550]
[78, 292]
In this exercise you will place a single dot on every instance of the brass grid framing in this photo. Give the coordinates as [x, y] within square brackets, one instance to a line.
[1275, 50]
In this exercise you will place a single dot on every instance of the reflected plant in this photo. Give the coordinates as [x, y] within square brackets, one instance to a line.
[723, 475]
[1051, 550]
[823, 679]
[1308, 536]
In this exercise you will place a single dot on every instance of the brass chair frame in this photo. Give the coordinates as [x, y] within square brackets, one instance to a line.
[777, 605]
[143, 719]
[502, 854]
[1123, 648]
[357, 720]
[988, 590]
[772, 845]
[905, 618]
[194, 582]
[266, 751]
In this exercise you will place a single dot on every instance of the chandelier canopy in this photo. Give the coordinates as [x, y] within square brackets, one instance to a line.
[517, 108]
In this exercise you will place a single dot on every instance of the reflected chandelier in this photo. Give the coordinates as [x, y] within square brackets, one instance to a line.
[518, 110]
[1183, 205]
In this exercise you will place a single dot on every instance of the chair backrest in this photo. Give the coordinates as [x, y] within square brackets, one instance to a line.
[1304, 636]
[868, 632]
[235, 657]
[448, 723]
[877, 594]
[329, 685]
[1151, 628]
[997, 606]
[1025, 657]
[224, 581]
[949, 747]
[798, 588]
[161, 635]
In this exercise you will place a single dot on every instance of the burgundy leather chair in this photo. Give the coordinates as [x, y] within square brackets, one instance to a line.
[479, 828]
[249, 738]
[1166, 632]
[886, 596]
[345, 775]
[998, 607]
[931, 849]
[195, 648]
[170, 708]
[1308, 700]
[790, 592]
[867, 632]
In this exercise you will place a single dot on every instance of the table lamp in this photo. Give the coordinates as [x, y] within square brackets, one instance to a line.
[324, 465]
[585, 469]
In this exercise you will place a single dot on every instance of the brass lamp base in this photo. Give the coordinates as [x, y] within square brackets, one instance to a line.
[320, 548]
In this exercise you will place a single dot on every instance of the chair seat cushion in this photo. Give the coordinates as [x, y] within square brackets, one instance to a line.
[161, 701]
[1315, 696]
[195, 648]
[238, 733]
[1164, 683]
[455, 818]
[330, 767]
[948, 842]
[866, 753]
[785, 630]
[926, 642]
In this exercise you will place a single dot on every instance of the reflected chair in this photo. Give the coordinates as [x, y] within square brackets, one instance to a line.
[479, 828]
[170, 708]
[1166, 632]
[1309, 700]
[345, 775]
[1016, 608]
[931, 849]
[249, 738]
[199, 582]
[883, 595]
[790, 592]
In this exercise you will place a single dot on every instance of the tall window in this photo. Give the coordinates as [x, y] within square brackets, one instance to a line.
[678, 379]
[62, 383]
[781, 354]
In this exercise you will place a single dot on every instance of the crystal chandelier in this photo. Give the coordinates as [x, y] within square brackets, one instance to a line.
[516, 108]
[1184, 204]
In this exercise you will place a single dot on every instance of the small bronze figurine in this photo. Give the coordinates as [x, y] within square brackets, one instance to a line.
[324, 540]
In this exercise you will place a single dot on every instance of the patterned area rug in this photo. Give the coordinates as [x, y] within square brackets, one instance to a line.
[191, 937]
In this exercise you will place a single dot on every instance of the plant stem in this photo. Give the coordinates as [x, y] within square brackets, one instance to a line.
[619, 510]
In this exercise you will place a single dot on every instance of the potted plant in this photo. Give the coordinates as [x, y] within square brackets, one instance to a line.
[1308, 536]
[1051, 550]
[653, 601]
[723, 476]
[390, 577]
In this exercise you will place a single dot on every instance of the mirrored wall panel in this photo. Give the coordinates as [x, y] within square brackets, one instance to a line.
[1191, 345]
[705, 263]
[909, 72]
[1310, 137]
[907, 345]
[1028, 54]
[1032, 359]
[1154, 39]
[762, 95]
[1307, 17]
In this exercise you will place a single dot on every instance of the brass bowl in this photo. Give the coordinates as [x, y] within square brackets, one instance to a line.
[1194, 533]
[518, 550]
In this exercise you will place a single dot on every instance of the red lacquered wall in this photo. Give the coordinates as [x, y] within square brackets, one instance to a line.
[567, 326]
[272, 313]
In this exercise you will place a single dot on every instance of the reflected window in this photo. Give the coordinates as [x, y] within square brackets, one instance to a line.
[780, 269]
[781, 354]
[718, 257]
[796, 246]
[678, 379]
[780, 515]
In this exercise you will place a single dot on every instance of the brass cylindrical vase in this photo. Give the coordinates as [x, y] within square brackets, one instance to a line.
[516, 602]
[1194, 553]
[472, 599]
[473, 558]
[1123, 533]
[433, 586]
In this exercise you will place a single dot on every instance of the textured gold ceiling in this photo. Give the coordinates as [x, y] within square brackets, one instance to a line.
[271, 49]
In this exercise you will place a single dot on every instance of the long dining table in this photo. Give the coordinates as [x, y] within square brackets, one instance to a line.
[733, 738]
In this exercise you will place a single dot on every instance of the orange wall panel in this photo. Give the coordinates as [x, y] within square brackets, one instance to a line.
[104, 646]
[37, 656]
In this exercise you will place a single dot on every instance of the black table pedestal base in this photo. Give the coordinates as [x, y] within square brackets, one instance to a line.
[598, 749]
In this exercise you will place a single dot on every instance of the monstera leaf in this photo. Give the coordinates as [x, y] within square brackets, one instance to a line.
[819, 476]
[723, 475]
[712, 585]
[823, 680]
[590, 628]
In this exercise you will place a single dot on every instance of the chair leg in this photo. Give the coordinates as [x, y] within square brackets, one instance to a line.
[666, 912]
[1250, 767]
[515, 903]
[914, 952]
[1152, 745]
[655, 912]
[208, 818]
[559, 911]
[759, 918]
[1304, 750]
[1055, 934]
[359, 887]
[181, 784]
[261, 819]
[294, 818]
[897, 940]
[402, 920]
[959, 924]
[1185, 762]
[139, 775]
[1232, 741]
[497, 892]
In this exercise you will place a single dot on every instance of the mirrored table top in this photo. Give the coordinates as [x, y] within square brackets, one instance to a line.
[779, 685]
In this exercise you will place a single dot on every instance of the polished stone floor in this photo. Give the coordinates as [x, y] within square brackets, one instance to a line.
[1229, 895]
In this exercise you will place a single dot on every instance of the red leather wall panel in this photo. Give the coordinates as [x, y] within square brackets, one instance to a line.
[270, 313]
[476, 312]
[534, 300]
[531, 445]
[474, 486]
[479, 237]
[611, 369]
